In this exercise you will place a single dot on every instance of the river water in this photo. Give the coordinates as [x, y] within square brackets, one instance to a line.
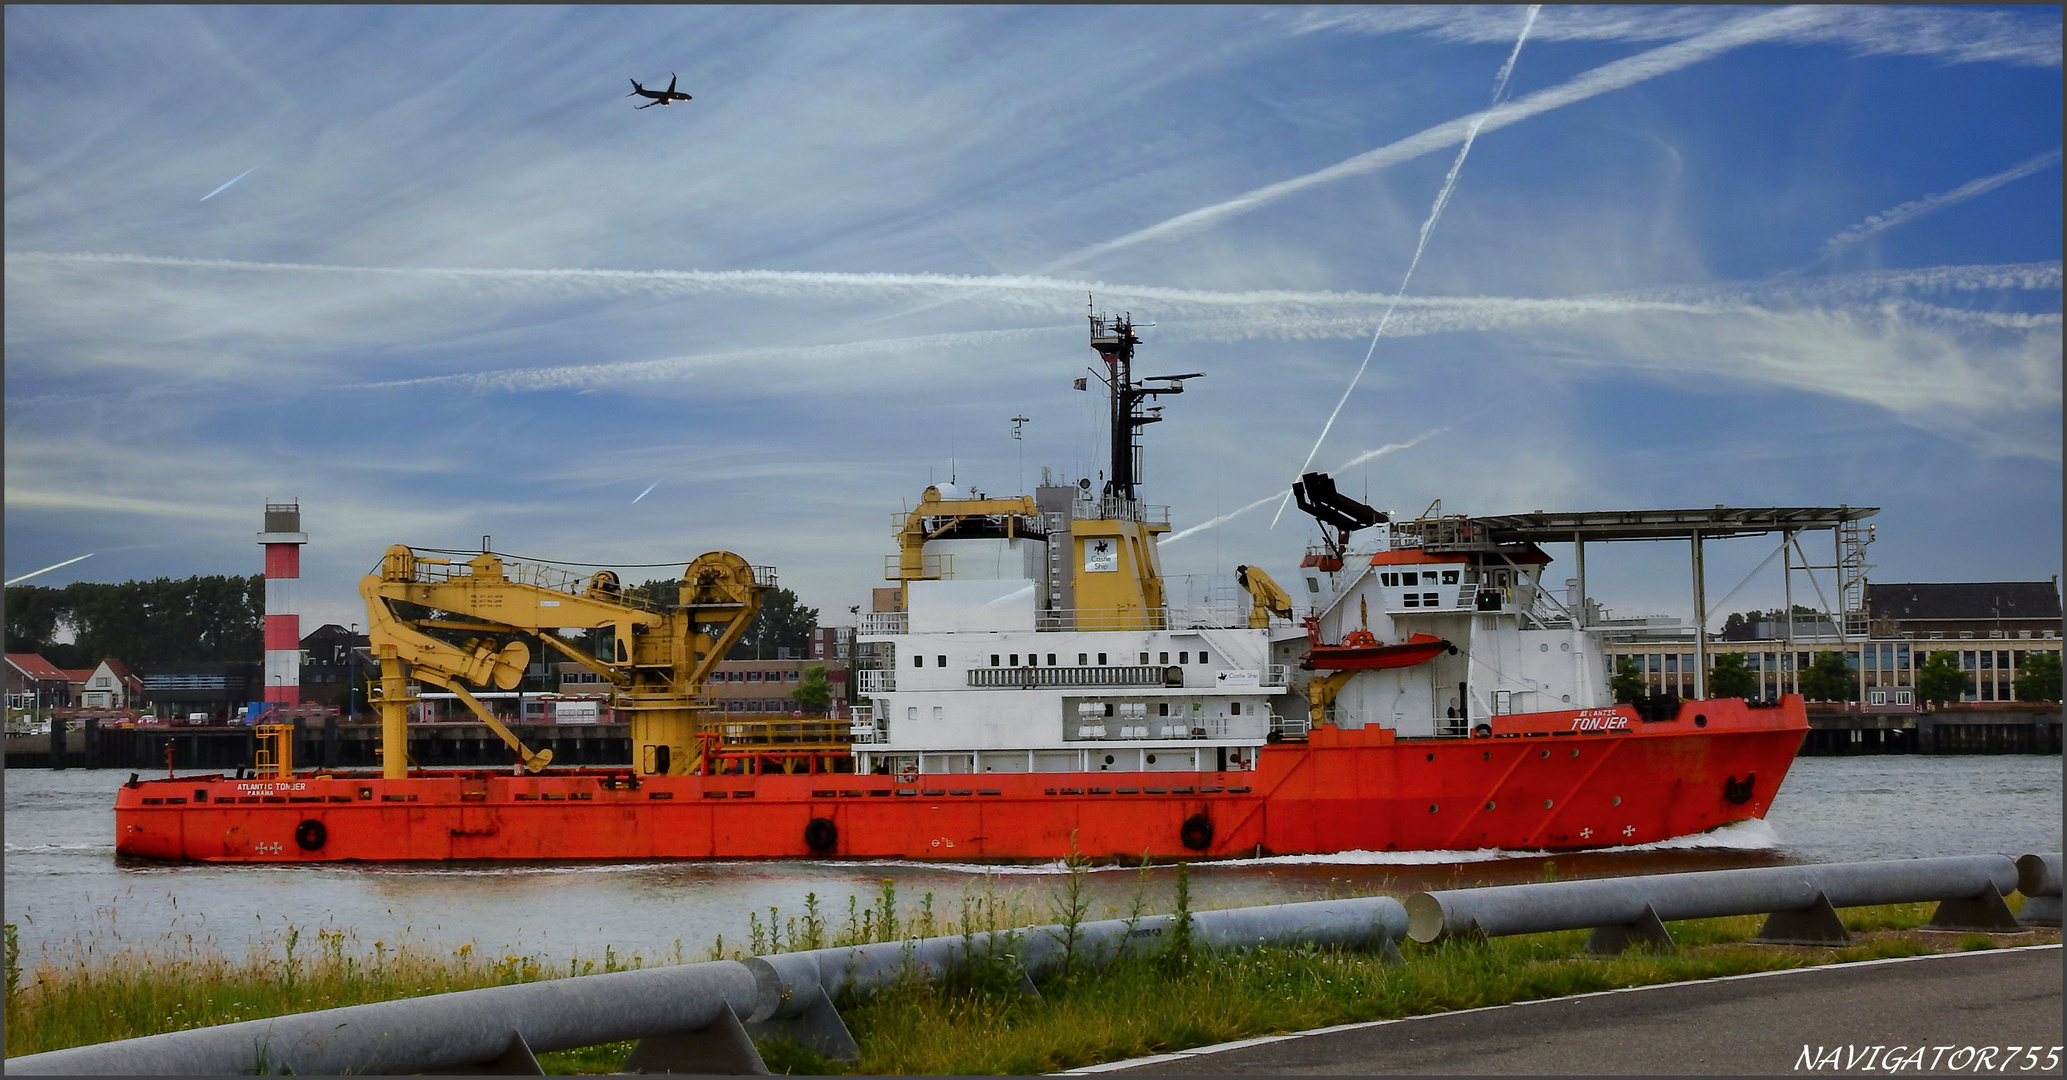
[67, 891]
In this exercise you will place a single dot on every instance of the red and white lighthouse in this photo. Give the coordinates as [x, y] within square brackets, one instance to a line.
[283, 539]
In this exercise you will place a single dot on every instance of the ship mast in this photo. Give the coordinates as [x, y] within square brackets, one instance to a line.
[1114, 340]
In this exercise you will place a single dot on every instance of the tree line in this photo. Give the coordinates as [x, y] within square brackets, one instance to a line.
[1830, 678]
[165, 620]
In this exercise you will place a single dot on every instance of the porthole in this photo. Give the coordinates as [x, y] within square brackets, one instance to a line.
[1546, 753]
[1564, 646]
[1616, 801]
[1431, 757]
[1432, 808]
[1575, 751]
[1490, 804]
[1151, 759]
[1546, 804]
[1108, 759]
[1485, 755]
[1545, 647]
[1568, 699]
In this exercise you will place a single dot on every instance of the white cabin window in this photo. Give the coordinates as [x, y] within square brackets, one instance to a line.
[1051, 659]
[1144, 659]
[1184, 658]
[918, 660]
[1389, 579]
[940, 661]
[994, 659]
[1083, 660]
[911, 713]
[1163, 658]
[937, 712]
[1101, 659]
[1202, 656]
[1234, 708]
[1450, 577]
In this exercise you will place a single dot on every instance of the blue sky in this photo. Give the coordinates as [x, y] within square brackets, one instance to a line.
[1799, 256]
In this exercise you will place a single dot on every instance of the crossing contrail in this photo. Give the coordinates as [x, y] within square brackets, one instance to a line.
[1769, 26]
[1435, 213]
[1388, 448]
[648, 491]
[48, 569]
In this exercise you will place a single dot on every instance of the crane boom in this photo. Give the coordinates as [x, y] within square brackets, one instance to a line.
[658, 662]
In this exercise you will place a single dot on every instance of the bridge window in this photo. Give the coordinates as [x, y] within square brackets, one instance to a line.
[1450, 577]
[1389, 579]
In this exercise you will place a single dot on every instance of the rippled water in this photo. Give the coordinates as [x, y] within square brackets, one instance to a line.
[65, 887]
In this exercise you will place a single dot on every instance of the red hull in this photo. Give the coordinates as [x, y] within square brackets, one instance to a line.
[1590, 778]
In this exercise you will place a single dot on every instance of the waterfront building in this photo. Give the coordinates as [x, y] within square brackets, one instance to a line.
[36, 683]
[1992, 627]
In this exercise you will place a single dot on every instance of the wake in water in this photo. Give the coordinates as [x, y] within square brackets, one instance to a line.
[1435, 213]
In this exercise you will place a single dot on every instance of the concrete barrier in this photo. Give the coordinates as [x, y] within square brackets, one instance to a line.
[698, 1018]
[2038, 878]
[685, 1016]
[1799, 899]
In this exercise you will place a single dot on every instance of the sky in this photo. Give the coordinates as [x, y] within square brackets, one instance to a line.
[429, 273]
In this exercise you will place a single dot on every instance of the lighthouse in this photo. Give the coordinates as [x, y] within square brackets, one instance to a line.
[282, 540]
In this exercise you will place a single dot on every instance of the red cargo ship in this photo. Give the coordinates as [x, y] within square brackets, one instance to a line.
[1035, 694]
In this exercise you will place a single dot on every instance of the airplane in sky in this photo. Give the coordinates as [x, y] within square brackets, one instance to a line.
[660, 97]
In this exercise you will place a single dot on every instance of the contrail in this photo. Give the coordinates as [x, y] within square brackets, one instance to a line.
[1435, 213]
[1389, 448]
[1888, 219]
[1065, 295]
[1615, 76]
[1221, 520]
[49, 568]
[1351, 463]
[234, 179]
[648, 491]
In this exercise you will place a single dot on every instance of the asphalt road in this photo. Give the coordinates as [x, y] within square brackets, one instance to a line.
[1744, 1025]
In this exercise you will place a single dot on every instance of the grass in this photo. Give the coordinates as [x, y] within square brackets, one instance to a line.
[976, 1023]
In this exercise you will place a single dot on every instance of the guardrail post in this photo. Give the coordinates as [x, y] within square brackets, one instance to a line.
[2038, 878]
[1984, 912]
[1816, 924]
[1647, 931]
[722, 1049]
[791, 1003]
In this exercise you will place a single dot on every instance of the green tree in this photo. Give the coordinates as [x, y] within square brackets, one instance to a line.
[1940, 679]
[2038, 678]
[1829, 678]
[1627, 684]
[208, 618]
[815, 691]
[1728, 677]
[782, 623]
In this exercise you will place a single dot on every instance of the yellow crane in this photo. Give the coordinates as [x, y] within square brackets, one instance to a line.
[483, 608]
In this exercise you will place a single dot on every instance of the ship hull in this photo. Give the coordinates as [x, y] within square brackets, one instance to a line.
[1553, 781]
